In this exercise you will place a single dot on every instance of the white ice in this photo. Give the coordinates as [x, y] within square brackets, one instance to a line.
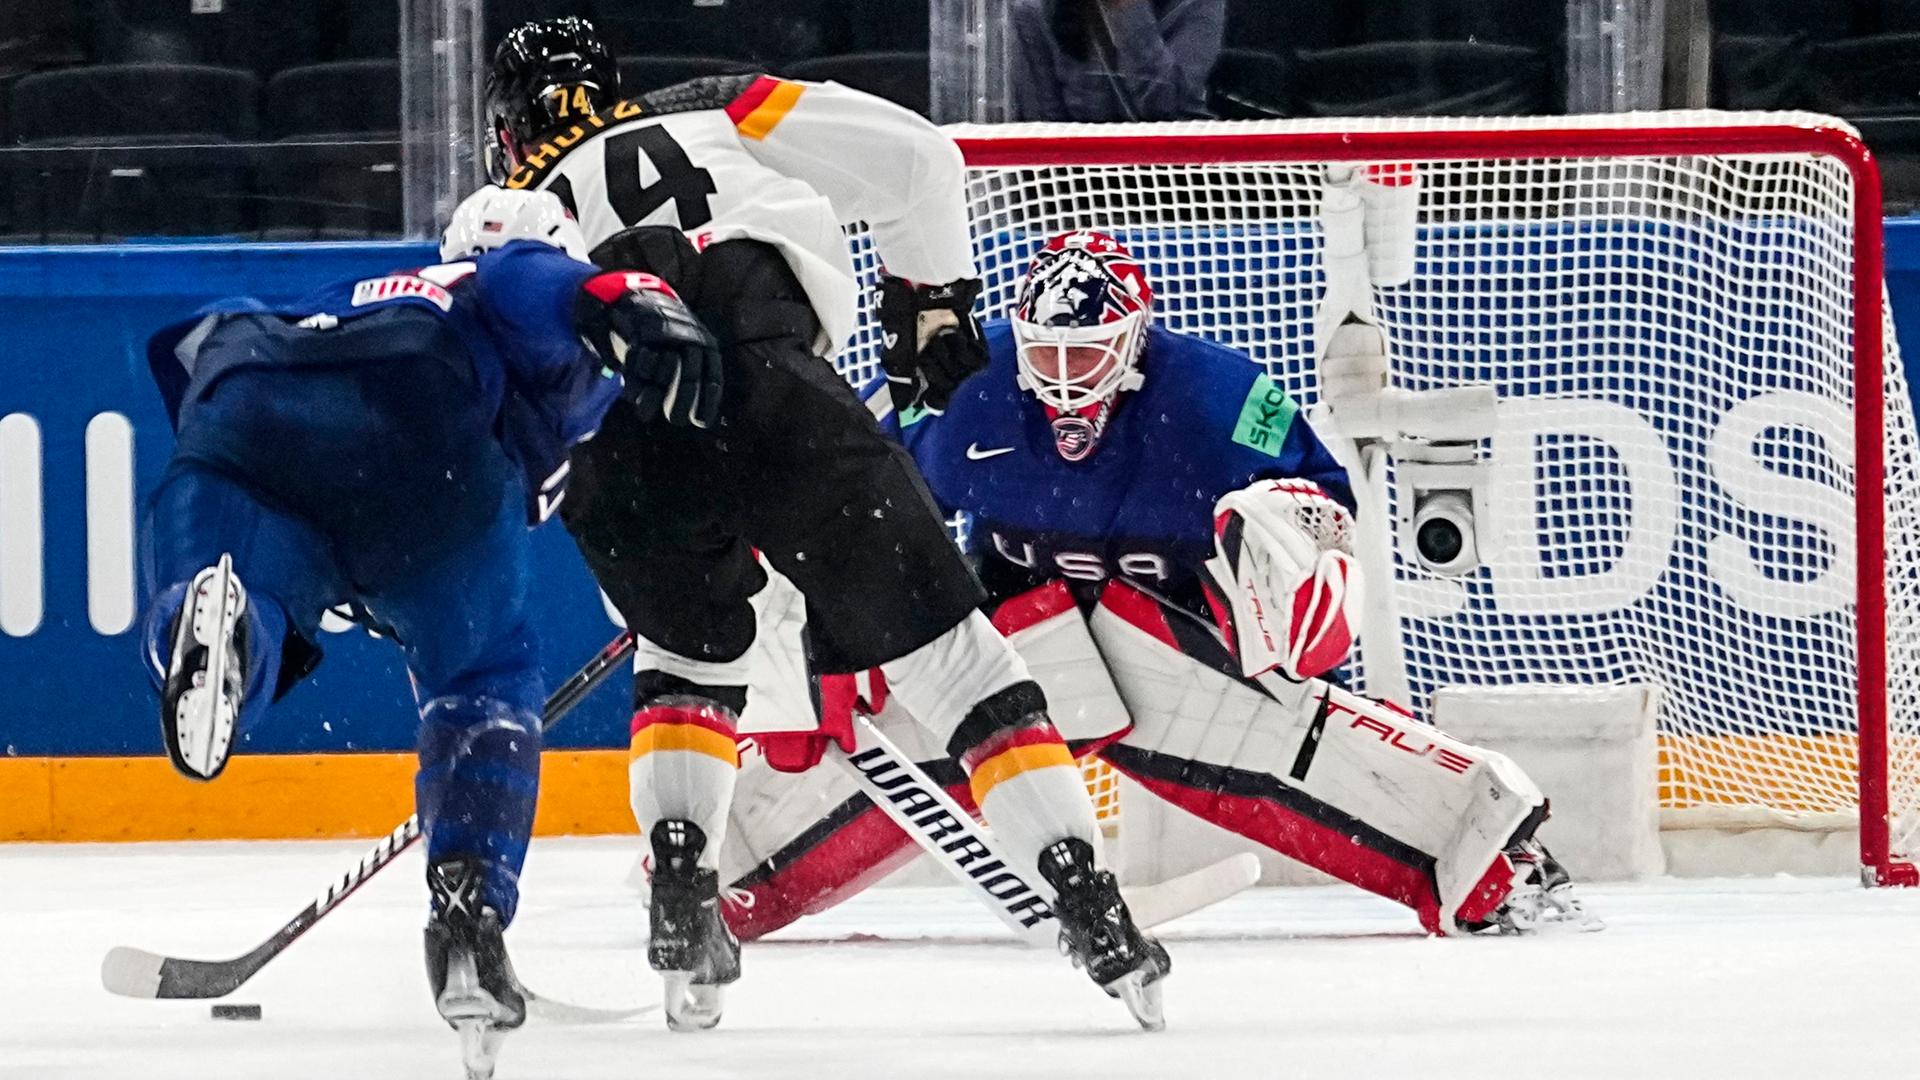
[1738, 979]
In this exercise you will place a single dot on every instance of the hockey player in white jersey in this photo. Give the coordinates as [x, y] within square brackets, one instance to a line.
[734, 190]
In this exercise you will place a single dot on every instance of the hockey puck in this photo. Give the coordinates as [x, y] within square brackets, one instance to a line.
[236, 1012]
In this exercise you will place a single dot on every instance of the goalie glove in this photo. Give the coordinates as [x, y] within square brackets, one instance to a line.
[930, 341]
[1284, 577]
[638, 326]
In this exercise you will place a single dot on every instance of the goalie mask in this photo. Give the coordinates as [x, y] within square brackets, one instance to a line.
[1078, 326]
[546, 76]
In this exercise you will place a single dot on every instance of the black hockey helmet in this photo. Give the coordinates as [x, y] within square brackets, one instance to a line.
[546, 75]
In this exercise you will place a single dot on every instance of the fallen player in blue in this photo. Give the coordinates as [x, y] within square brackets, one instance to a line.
[385, 444]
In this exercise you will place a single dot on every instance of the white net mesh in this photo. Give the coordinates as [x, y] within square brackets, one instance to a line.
[1671, 340]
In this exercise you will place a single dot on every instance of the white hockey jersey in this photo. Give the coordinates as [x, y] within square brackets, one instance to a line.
[774, 160]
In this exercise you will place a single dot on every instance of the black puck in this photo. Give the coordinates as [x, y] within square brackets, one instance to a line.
[236, 1012]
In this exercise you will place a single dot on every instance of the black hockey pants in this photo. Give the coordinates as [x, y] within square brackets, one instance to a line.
[668, 517]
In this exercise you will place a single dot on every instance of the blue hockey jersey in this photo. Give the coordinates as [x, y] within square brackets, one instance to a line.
[509, 312]
[1140, 507]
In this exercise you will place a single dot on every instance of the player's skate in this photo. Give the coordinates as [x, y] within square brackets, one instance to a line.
[206, 672]
[1098, 933]
[1542, 898]
[690, 945]
[473, 982]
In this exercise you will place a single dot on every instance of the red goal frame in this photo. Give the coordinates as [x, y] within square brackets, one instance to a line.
[1879, 867]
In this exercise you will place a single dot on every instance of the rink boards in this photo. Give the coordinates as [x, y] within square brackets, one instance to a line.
[83, 437]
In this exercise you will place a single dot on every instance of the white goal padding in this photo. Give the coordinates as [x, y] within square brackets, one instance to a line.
[1592, 749]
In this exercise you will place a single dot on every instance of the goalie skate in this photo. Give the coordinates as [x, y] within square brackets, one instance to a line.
[474, 986]
[690, 945]
[206, 672]
[1542, 900]
[1098, 933]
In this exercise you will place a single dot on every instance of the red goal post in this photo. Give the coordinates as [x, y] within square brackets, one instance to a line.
[1738, 250]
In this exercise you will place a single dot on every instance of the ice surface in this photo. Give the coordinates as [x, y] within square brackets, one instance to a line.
[1737, 979]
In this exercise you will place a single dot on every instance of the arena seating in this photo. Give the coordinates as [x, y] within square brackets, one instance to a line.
[88, 75]
[118, 104]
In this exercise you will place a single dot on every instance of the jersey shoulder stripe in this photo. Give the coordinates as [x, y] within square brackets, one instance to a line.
[760, 109]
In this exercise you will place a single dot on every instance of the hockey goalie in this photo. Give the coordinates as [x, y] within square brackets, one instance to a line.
[1169, 546]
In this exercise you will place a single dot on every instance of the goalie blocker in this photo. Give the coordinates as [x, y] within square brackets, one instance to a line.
[1349, 786]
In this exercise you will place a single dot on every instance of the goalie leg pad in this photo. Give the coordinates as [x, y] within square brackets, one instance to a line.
[1045, 626]
[1347, 785]
[800, 843]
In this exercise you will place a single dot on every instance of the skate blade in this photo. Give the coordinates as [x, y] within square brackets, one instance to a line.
[1568, 917]
[1142, 998]
[690, 1006]
[205, 713]
[479, 1046]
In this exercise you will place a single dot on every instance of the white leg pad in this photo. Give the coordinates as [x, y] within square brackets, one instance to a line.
[1346, 784]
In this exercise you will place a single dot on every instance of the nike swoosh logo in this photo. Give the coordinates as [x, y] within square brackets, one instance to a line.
[974, 453]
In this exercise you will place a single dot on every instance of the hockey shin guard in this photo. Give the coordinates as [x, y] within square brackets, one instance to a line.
[478, 782]
[1023, 778]
[683, 766]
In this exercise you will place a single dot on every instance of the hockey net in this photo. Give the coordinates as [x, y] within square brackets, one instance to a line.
[1706, 454]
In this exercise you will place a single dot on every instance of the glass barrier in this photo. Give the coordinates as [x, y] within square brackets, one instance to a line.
[240, 119]
[281, 119]
[1311, 58]
[1856, 59]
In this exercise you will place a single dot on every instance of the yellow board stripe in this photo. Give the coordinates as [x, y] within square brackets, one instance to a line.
[276, 797]
[759, 123]
[1015, 760]
[584, 792]
[684, 737]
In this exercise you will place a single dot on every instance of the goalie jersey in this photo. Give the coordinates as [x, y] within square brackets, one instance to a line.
[1206, 421]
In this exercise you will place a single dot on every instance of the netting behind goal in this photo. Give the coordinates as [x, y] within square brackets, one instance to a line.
[1666, 306]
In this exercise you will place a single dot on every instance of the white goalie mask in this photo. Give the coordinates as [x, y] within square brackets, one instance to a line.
[492, 216]
[1079, 326]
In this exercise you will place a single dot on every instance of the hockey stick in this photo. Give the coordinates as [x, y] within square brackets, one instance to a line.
[968, 851]
[138, 973]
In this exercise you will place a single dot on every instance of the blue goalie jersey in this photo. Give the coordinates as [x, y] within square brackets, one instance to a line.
[1205, 422]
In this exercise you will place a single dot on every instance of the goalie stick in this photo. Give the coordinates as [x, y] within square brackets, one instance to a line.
[132, 972]
[970, 853]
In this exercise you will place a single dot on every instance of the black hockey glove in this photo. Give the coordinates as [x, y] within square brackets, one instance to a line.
[930, 340]
[639, 327]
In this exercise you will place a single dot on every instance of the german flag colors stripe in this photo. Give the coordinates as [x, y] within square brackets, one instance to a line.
[757, 111]
[702, 731]
[1018, 759]
[1030, 735]
[690, 737]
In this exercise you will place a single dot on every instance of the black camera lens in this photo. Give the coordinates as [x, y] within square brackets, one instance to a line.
[1440, 540]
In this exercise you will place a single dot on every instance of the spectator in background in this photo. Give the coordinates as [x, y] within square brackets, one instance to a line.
[1104, 60]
